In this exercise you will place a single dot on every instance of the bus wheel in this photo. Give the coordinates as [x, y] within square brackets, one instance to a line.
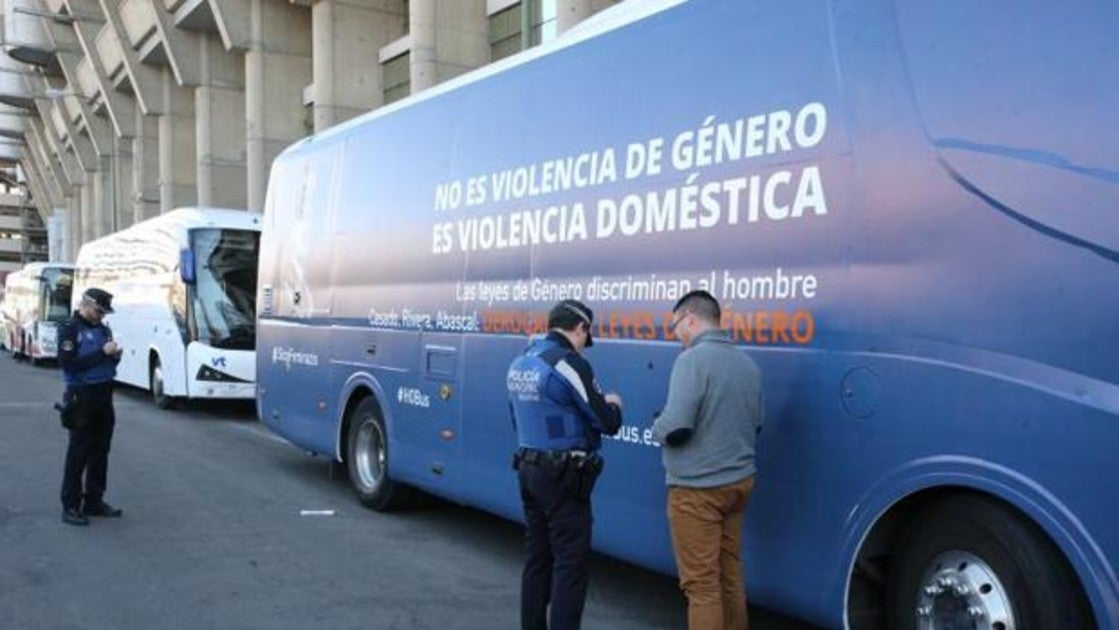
[970, 562]
[159, 397]
[368, 458]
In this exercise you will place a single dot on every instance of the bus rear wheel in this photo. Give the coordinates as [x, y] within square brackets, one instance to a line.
[159, 394]
[971, 562]
[367, 458]
[20, 352]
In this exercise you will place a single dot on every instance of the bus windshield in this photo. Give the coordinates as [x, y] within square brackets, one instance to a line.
[224, 296]
[56, 285]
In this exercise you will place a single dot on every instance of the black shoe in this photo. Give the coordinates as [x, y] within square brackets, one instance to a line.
[102, 509]
[70, 516]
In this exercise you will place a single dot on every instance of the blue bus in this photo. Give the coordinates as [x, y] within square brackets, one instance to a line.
[908, 210]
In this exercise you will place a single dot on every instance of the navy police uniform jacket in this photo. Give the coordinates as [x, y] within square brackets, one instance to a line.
[80, 355]
[555, 400]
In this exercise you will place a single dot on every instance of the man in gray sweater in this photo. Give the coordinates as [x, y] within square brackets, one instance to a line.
[708, 430]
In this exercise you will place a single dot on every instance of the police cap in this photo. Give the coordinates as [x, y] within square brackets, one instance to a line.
[568, 314]
[103, 299]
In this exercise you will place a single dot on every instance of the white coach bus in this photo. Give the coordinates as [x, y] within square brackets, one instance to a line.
[184, 292]
[36, 300]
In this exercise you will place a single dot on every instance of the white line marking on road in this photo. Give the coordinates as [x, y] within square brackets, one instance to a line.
[316, 512]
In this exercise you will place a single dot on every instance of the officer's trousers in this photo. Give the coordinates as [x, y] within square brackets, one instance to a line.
[88, 453]
[558, 546]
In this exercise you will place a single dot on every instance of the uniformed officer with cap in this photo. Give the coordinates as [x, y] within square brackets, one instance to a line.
[559, 414]
[88, 357]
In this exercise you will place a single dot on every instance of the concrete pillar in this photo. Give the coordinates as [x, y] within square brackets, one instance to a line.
[86, 210]
[75, 235]
[92, 205]
[177, 172]
[346, 37]
[448, 39]
[145, 168]
[122, 193]
[58, 235]
[219, 106]
[104, 191]
[571, 12]
[277, 68]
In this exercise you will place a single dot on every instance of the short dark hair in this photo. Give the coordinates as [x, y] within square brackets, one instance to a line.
[701, 304]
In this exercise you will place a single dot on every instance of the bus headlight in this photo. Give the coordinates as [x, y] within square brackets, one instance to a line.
[207, 373]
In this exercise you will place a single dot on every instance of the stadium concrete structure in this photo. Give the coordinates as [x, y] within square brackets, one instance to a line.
[113, 111]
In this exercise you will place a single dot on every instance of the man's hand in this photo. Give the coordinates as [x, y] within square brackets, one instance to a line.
[613, 399]
[111, 349]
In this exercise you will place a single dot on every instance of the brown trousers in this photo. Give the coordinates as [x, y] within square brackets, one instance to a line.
[707, 539]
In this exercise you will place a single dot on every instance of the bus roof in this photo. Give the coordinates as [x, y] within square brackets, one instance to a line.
[195, 217]
[39, 267]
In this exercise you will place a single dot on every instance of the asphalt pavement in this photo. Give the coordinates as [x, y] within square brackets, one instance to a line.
[227, 526]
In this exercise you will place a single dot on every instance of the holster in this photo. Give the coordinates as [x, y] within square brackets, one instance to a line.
[525, 455]
[581, 473]
[68, 409]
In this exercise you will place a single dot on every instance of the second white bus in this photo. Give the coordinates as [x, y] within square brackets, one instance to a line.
[184, 287]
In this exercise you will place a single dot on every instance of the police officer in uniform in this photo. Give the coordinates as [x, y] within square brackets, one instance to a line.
[559, 414]
[88, 357]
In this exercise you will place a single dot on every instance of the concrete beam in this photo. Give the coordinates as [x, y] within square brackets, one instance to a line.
[47, 165]
[93, 161]
[234, 20]
[147, 82]
[98, 132]
[75, 174]
[118, 106]
[80, 143]
[40, 191]
[181, 46]
[193, 15]
[64, 149]
[95, 129]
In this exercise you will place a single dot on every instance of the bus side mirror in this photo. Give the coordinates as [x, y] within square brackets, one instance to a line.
[186, 266]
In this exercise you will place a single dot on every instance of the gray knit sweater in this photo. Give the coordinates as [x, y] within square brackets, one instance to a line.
[715, 400]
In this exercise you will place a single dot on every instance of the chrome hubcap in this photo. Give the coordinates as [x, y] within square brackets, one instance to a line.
[959, 590]
[370, 455]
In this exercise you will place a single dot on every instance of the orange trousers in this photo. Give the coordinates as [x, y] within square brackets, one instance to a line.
[707, 539]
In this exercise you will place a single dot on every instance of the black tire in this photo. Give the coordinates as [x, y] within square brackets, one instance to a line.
[155, 381]
[367, 459]
[21, 352]
[1002, 561]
